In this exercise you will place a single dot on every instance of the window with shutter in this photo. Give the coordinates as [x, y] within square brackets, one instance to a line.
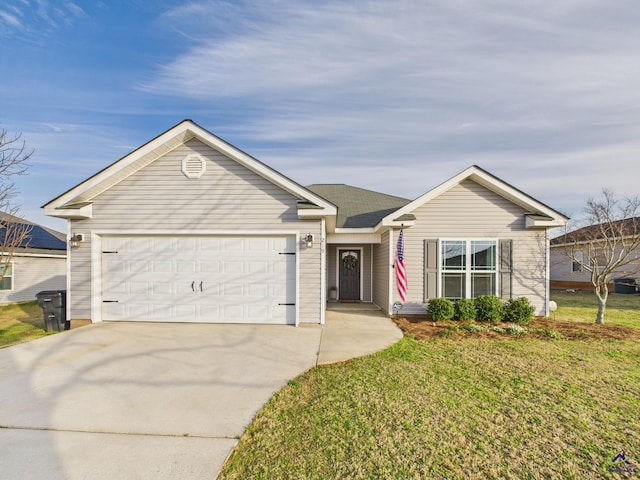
[465, 268]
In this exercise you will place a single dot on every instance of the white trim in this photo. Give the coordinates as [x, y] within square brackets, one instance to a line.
[467, 271]
[68, 281]
[492, 183]
[360, 266]
[297, 275]
[192, 232]
[371, 272]
[38, 255]
[187, 165]
[354, 237]
[96, 277]
[323, 271]
[547, 283]
[96, 257]
[82, 213]
[181, 133]
[392, 272]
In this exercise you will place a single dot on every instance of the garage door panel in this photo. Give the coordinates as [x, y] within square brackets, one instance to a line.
[199, 279]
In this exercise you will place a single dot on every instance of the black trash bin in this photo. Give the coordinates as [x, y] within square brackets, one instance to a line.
[625, 285]
[54, 308]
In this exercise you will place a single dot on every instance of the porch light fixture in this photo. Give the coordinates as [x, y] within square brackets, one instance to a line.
[75, 240]
[309, 240]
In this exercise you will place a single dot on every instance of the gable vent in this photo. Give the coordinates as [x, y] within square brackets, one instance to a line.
[193, 166]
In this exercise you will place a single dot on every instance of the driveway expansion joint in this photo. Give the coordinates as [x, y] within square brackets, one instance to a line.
[132, 434]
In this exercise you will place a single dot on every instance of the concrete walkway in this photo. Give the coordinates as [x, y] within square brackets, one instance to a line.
[140, 400]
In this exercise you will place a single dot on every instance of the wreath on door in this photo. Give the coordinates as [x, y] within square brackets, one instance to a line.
[349, 262]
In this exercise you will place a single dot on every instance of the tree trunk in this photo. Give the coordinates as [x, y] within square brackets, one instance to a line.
[602, 304]
[602, 293]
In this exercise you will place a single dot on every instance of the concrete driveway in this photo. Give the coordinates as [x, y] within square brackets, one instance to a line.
[143, 400]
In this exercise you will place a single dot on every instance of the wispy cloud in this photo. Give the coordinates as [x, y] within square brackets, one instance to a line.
[393, 96]
[433, 85]
[37, 19]
[9, 20]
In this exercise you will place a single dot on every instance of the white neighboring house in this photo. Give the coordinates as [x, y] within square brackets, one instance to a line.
[39, 263]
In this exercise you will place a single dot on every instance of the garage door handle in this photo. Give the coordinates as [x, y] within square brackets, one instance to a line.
[200, 286]
[193, 286]
[110, 301]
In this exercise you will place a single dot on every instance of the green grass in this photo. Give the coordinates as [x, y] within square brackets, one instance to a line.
[20, 323]
[449, 409]
[583, 306]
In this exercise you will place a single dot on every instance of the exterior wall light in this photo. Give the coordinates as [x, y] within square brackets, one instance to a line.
[309, 240]
[75, 240]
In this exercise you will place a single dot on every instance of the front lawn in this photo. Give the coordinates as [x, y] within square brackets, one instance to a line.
[445, 408]
[21, 322]
[582, 307]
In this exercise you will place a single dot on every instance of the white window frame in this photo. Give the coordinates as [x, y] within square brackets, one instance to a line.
[12, 276]
[468, 271]
[576, 266]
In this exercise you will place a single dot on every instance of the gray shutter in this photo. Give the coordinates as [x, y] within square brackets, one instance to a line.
[430, 269]
[506, 268]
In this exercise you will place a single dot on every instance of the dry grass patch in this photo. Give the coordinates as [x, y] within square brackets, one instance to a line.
[449, 409]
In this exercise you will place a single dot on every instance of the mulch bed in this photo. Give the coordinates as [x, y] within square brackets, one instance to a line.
[539, 327]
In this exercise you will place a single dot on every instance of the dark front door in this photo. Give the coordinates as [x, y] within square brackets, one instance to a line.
[349, 274]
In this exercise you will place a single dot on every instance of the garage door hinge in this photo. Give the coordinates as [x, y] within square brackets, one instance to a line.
[287, 253]
[287, 304]
[109, 301]
[109, 251]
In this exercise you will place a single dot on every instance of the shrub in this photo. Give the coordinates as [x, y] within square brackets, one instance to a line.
[440, 309]
[515, 330]
[489, 308]
[518, 310]
[464, 309]
[497, 329]
[472, 327]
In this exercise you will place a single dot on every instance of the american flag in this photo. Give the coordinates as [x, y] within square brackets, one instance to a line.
[401, 273]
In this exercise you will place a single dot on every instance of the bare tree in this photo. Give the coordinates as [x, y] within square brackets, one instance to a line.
[609, 243]
[14, 232]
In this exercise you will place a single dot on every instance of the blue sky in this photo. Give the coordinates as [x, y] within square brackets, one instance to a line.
[392, 96]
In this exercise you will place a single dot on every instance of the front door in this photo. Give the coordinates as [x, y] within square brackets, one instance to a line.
[349, 274]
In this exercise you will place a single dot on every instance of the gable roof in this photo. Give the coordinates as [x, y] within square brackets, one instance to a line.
[77, 202]
[38, 237]
[357, 207]
[618, 228]
[540, 215]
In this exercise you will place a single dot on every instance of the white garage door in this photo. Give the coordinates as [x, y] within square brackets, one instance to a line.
[199, 279]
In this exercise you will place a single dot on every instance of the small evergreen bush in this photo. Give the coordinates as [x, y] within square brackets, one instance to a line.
[464, 309]
[515, 330]
[472, 327]
[518, 310]
[489, 308]
[440, 309]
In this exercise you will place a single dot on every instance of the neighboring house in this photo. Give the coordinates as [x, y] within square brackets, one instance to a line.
[568, 274]
[38, 263]
[188, 228]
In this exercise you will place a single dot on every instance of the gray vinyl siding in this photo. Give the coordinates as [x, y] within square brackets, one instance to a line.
[469, 211]
[333, 271]
[561, 268]
[381, 271]
[228, 197]
[35, 274]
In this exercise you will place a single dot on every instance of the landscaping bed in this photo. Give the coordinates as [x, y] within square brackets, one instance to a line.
[423, 329]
